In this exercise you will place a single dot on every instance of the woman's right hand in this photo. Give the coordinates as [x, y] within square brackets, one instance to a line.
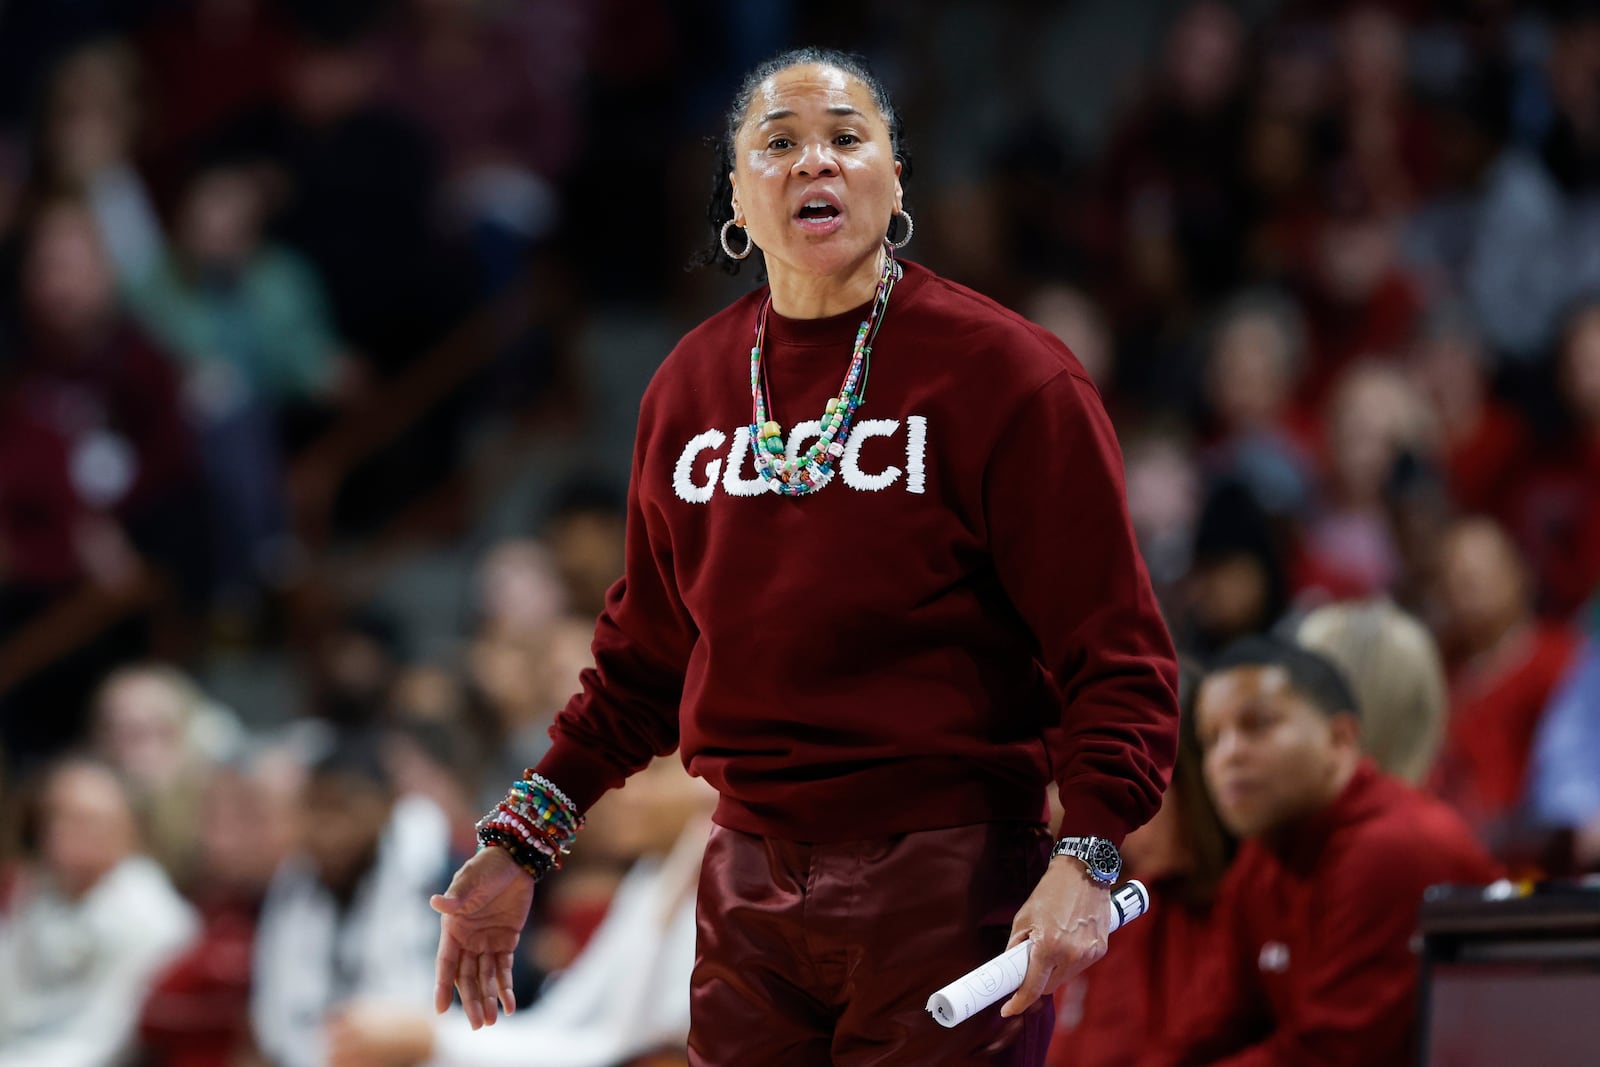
[482, 915]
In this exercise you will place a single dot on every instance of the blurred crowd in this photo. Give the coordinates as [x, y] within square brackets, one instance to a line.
[1334, 267]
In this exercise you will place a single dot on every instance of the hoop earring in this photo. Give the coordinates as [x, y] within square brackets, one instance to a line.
[910, 228]
[748, 244]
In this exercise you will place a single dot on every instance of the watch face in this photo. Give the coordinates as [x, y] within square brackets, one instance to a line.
[1104, 858]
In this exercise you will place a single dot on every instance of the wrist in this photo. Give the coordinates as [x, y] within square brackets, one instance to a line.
[1098, 857]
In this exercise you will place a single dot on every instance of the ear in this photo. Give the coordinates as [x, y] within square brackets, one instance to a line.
[899, 193]
[738, 216]
[1345, 730]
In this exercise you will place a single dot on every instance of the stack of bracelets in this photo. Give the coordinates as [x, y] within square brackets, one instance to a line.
[536, 824]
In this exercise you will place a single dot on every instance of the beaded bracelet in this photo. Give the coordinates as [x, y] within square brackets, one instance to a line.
[536, 824]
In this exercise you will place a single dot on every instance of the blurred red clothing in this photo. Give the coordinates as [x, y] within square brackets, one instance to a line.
[1558, 524]
[1314, 963]
[1494, 711]
[1341, 334]
[1113, 1012]
[1484, 466]
[39, 508]
[198, 1011]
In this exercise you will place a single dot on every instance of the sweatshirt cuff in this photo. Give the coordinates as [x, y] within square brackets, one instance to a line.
[578, 772]
[1085, 815]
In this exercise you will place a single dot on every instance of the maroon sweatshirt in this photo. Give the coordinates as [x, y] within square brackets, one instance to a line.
[1315, 966]
[958, 618]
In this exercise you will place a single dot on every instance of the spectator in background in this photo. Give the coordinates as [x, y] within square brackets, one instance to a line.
[347, 914]
[1316, 916]
[90, 923]
[357, 186]
[1485, 445]
[1564, 785]
[355, 665]
[625, 993]
[1164, 501]
[1495, 234]
[1360, 302]
[1374, 419]
[1172, 170]
[155, 727]
[1503, 665]
[1255, 357]
[585, 537]
[86, 141]
[495, 87]
[1394, 670]
[51, 539]
[250, 323]
[1073, 316]
[206, 62]
[1558, 511]
[197, 1012]
[1109, 1015]
[1238, 582]
[1384, 136]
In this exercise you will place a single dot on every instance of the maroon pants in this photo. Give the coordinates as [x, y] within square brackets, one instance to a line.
[826, 953]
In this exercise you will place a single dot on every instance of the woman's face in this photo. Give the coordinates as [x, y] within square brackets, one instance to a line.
[815, 180]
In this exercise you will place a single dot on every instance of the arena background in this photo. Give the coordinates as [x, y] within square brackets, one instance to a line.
[324, 325]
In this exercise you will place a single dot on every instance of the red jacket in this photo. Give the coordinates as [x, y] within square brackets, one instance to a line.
[1483, 765]
[1125, 1004]
[960, 617]
[1316, 967]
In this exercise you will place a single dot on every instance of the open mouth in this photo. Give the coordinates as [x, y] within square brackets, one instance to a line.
[818, 209]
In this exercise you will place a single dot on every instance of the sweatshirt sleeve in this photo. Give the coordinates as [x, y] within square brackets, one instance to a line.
[627, 711]
[1064, 548]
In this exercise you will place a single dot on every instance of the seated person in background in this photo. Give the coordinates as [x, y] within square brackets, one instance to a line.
[1564, 786]
[1504, 662]
[347, 915]
[197, 1013]
[1122, 1006]
[89, 922]
[626, 993]
[1314, 966]
[1392, 663]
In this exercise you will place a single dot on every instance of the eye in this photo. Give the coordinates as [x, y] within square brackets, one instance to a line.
[846, 139]
[779, 143]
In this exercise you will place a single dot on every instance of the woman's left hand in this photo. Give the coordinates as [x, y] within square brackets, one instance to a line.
[1067, 918]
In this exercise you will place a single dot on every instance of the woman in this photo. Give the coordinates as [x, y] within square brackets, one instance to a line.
[879, 677]
[1393, 664]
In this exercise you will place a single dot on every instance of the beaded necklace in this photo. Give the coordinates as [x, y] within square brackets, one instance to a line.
[813, 469]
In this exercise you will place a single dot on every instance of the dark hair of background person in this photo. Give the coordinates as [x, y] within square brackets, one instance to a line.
[1312, 676]
[1211, 846]
[718, 205]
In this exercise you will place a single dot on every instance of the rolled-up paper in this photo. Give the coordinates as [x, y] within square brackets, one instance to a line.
[1001, 976]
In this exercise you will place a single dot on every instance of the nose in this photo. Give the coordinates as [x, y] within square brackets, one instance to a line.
[816, 160]
[1226, 749]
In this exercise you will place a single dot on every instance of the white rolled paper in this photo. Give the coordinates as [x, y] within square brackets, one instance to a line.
[1001, 976]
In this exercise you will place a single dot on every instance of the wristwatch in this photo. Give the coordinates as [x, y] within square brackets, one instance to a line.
[1098, 855]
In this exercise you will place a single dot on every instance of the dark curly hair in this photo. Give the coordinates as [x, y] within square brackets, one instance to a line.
[717, 209]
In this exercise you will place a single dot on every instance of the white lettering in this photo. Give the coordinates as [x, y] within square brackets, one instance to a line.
[850, 464]
[800, 436]
[916, 452]
[734, 483]
[681, 483]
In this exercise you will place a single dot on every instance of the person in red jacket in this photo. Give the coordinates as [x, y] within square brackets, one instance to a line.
[880, 628]
[1314, 967]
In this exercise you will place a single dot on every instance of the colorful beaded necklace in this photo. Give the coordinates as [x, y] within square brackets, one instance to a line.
[813, 469]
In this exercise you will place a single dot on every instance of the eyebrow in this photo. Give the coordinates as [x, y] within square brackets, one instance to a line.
[785, 113]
